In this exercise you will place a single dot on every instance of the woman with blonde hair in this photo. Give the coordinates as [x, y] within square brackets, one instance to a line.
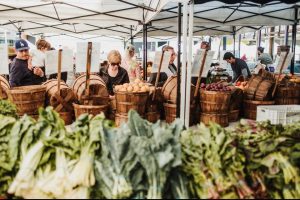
[114, 74]
[130, 64]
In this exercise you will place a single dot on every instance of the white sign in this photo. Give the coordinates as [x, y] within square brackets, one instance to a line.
[198, 62]
[165, 63]
[4, 60]
[81, 57]
[281, 60]
[51, 61]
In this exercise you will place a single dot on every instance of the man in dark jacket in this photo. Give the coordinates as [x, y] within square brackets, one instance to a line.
[20, 74]
[238, 66]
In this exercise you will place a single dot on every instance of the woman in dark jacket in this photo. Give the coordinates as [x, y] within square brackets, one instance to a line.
[114, 74]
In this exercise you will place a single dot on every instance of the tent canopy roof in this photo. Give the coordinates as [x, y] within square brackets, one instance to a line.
[219, 18]
[121, 17]
[96, 17]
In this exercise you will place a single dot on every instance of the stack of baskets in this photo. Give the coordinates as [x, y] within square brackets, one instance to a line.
[125, 101]
[96, 102]
[215, 107]
[169, 92]
[62, 101]
[259, 92]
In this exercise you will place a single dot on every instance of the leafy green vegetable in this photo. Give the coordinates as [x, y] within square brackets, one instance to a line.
[7, 108]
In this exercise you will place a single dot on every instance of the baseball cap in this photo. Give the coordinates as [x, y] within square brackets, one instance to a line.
[21, 45]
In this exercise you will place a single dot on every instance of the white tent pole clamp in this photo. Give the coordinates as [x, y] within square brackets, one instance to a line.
[184, 59]
[189, 64]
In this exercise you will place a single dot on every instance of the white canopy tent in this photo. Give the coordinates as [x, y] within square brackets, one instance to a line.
[218, 18]
[95, 17]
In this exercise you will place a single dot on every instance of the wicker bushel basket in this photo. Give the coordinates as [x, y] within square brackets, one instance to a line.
[67, 117]
[135, 101]
[289, 95]
[221, 119]
[169, 90]
[93, 110]
[4, 87]
[234, 115]
[214, 102]
[28, 99]
[250, 108]
[98, 91]
[170, 111]
[119, 119]
[62, 103]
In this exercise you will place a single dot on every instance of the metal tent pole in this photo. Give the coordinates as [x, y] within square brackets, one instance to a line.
[259, 38]
[178, 61]
[184, 59]
[145, 51]
[131, 35]
[189, 65]
[271, 41]
[224, 43]
[234, 40]
[239, 45]
[294, 40]
[286, 35]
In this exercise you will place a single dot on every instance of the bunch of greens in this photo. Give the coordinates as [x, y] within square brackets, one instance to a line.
[37, 158]
[137, 158]
[6, 167]
[213, 166]
[7, 108]
[158, 150]
[272, 153]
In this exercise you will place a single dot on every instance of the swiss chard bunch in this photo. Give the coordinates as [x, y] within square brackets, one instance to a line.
[158, 150]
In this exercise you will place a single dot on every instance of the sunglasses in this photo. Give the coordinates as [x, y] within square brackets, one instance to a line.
[114, 64]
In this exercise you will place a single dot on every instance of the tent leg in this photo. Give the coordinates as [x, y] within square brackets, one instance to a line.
[234, 40]
[145, 51]
[239, 45]
[294, 40]
[286, 36]
[271, 41]
[131, 35]
[224, 43]
[184, 62]
[189, 65]
[259, 38]
[178, 61]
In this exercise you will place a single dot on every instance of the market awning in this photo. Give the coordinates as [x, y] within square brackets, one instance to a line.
[219, 18]
[96, 17]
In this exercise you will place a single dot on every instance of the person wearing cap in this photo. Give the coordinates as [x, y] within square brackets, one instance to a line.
[114, 74]
[163, 75]
[264, 58]
[20, 73]
[238, 66]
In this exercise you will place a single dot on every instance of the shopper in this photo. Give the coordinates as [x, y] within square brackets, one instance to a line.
[264, 58]
[163, 75]
[130, 64]
[238, 66]
[114, 74]
[20, 73]
[38, 56]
